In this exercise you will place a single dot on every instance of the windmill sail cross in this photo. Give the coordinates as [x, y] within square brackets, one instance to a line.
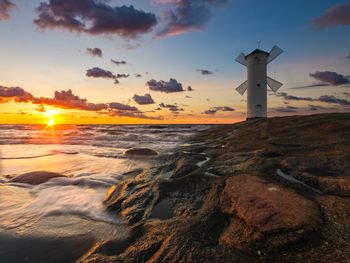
[257, 82]
[274, 84]
[274, 53]
[241, 59]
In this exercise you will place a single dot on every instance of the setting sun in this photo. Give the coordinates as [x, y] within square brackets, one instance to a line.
[51, 122]
[50, 114]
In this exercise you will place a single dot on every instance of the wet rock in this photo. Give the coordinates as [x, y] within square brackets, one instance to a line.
[130, 200]
[162, 210]
[267, 214]
[35, 178]
[140, 152]
[249, 208]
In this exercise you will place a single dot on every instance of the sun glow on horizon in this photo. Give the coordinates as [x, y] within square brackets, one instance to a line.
[50, 114]
[51, 122]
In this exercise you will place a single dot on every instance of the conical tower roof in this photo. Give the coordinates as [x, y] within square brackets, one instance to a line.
[257, 51]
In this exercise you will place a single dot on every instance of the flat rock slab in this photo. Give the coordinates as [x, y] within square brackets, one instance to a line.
[140, 152]
[35, 178]
[264, 213]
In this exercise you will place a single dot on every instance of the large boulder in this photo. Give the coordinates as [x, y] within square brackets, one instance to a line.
[263, 213]
[140, 152]
[35, 178]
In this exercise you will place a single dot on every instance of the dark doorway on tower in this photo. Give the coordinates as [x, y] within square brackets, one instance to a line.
[258, 108]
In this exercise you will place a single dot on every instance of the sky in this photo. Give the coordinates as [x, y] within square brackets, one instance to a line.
[167, 61]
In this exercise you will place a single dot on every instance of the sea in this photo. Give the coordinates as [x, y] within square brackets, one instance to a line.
[67, 212]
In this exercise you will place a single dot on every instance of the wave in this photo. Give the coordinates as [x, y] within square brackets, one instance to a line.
[56, 201]
[27, 157]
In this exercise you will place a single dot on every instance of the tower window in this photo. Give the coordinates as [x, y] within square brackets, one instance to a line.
[258, 84]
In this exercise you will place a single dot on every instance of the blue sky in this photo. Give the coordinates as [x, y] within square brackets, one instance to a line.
[42, 61]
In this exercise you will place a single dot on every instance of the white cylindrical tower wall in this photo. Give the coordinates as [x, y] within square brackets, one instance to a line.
[257, 85]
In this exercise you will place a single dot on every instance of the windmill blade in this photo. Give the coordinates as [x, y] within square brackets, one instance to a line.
[241, 59]
[242, 88]
[274, 84]
[274, 53]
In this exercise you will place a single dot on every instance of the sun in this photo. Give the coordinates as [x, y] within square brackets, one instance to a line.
[51, 116]
[51, 122]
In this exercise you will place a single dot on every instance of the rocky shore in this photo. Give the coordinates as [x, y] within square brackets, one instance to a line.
[266, 190]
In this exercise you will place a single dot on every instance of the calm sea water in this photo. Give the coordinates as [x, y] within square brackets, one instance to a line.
[92, 158]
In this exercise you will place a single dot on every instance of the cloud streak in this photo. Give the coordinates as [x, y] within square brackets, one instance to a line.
[334, 100]
[316, 85]
[291, 97]
[285, 109]
[324, 98]
[94, 17]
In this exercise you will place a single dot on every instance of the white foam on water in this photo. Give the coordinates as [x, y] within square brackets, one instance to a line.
[54, 201]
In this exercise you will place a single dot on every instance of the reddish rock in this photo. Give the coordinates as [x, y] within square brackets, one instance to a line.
[266, 213]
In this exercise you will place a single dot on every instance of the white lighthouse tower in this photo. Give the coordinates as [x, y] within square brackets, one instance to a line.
[256, 84]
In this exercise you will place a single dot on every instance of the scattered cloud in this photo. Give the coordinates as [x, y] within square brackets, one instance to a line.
[16, 93]
[189, 88]
[5, 9]
[334, 16]
[187, 15]
[188, 97]
[165, 86]
[348, 56]
[97, 72]
[171, 107]
[94, 17]
[205, 71]
[214, 110]
[143, 100]
[137, 75]
[330, 77]
[120, 76]
[96, 52]
[118, 63]
[101, 73]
